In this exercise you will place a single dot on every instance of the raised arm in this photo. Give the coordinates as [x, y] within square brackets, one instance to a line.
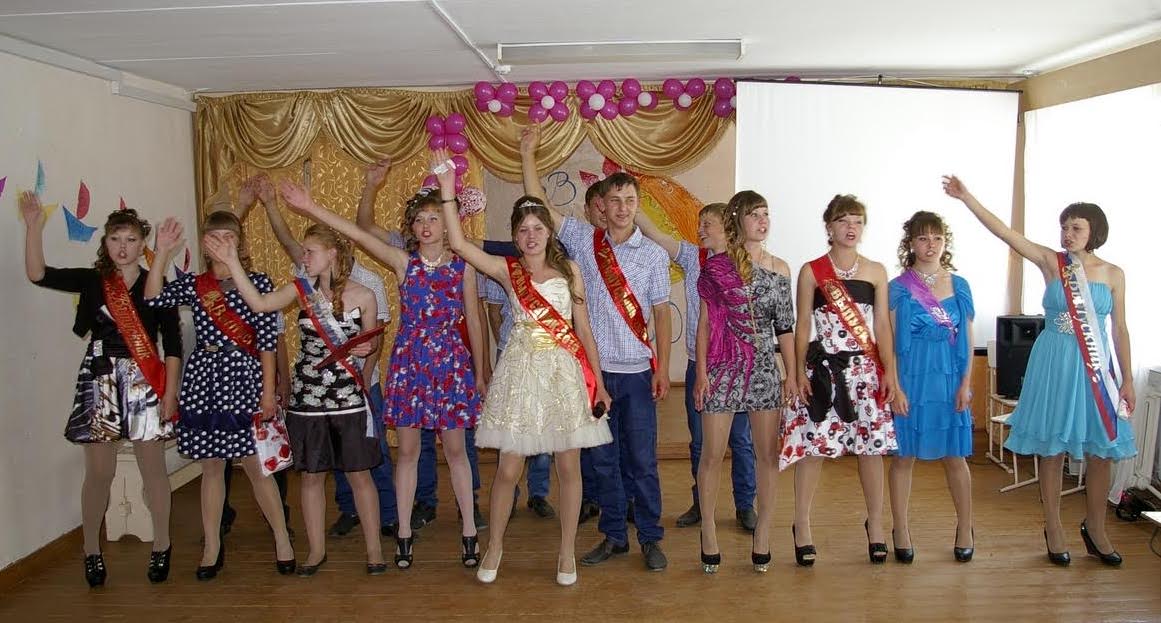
[269, 199]
[299, 200]
[1120, 338]
[227, 253]
[803, 309]
[1040, 255]
[671, 245]
[34, 235]
[491, 265]
[365, 217]
[584, 332]
[529, 141]
[167, 241]
[246, 195]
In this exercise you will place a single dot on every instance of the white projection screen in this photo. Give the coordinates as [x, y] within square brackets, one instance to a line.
[800, 144]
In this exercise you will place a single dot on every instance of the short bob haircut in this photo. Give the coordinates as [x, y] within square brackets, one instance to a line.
[1098, 223]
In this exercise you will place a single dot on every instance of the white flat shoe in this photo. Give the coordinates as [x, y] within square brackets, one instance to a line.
[487, 576]
[566, 579]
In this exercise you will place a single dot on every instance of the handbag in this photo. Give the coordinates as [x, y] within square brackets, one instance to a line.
[272, 443]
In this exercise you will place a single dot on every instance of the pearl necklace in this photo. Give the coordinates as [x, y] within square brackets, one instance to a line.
[845, 274]
[928, 280]
[432, 265]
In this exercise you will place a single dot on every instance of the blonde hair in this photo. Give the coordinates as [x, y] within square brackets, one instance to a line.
[344, 260]
[553, 255]
[741, 204]
[422, 200]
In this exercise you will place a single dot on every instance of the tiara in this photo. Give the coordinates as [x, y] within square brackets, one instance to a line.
[528, 203]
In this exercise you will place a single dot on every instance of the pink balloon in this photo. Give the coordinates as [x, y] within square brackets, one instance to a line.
[461, 164]
[537, 114]
[672, 88]
[584, 89]
[630, 87]
[484, 91]
[429, 181]
[587, 112]
[537, 90]
[609, 111]
[454, 124]
[608, 88]
[695, 88]
[482, 105]
[722, 108]
[792, 79]
[437, 141]
[506, 93]
[505, 109]
[459, 185]
[559, 112]
[558, 90]
[723, 88]
[647, 100]
[434, 125]
[627, 106]
[458, 143]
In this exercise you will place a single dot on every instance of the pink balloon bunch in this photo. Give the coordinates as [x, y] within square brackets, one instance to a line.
[498, 100]
[683, 95]
[597, 99]
[547, 100]
[447, 132]
[725, 97]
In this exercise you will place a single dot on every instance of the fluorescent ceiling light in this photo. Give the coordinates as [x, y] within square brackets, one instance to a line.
[617, 51]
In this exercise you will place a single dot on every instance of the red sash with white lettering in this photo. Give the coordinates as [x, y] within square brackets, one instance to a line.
[622, 295]
[840, 301]
[551, 321]
[213, 300]
[139, 343]
[1088, 339]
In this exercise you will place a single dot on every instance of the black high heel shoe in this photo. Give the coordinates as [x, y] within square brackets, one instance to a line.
[210, 572]
[761, 561]
[805, 555]
[403, 556]
[471, 551]
[286, 567]
[903, 555]
[159, 565]
[709, 562]
[964, 554]
[877, 552]
[1113, 559]
[1057, 558]
[95, 572]
[306, 571]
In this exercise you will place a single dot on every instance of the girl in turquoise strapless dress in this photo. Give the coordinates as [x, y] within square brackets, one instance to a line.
[1057, 413]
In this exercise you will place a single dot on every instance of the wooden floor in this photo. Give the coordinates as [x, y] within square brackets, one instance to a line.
[1010, 576]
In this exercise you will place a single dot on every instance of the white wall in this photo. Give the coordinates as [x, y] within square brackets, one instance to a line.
[121, 148]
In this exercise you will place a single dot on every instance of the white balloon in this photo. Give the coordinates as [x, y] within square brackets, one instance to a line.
[644, 98]
[494, 106]
[596, 101]
[547, 102]
[733, 101]
[684, 100]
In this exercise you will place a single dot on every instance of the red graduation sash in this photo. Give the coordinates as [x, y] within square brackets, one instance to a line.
[622, 295]
[702, 256]
[141, 346]
[840, 301]
[213, 300]
[1088, 340]
[551, 321]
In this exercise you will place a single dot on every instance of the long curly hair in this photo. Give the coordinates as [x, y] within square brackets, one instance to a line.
[741, 204]
[222, 219]
[920, 223]
[344, 259]
[120, 219]
[553, 255]
[425, 198]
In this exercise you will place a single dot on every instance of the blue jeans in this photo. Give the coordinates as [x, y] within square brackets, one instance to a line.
[633, 421]
[428, 479]
[539, 468]
[382, 475]
[741, 447]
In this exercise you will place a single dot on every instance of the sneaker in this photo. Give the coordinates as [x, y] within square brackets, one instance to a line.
[747, 519]
[541, 507]
[421, 515]
[655, 559]
[589, 510]
[691, 517]
[606, 550]
[343, 525]
[390, 529]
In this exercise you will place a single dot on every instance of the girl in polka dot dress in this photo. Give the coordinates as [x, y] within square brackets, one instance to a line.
[228, 381]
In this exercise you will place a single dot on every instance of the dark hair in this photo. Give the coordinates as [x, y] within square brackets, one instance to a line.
[618, 180]
[741, 204]
[1098, 223]
[120, 219]
[223, 219]
[529, 205]
[426, 197]
[596, 190]
[840, 206]
[923, 222]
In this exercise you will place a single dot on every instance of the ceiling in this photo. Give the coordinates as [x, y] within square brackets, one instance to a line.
[253, 45]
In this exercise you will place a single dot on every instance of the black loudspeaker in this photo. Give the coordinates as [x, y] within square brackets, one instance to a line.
[1014, 338]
